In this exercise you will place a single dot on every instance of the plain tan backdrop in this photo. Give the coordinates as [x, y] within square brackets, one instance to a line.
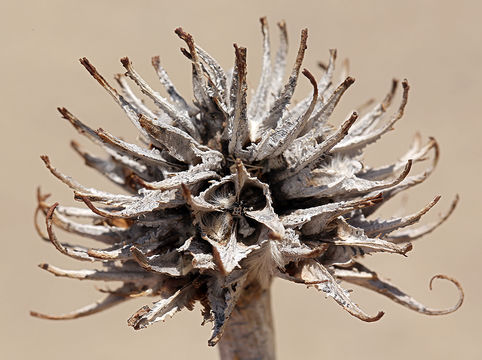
[435, 44]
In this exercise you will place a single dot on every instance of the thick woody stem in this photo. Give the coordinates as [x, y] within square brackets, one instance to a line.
[249, 334]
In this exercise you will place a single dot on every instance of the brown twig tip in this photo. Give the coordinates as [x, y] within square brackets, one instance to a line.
[282, 26]
[46, 160]
[263, 21]
[156, 61]
[182, 34]
[39, 315]
[377, 317]
[189, 41]
[67, 115]
[186, 53]
[126, 62]
[91, 206]
[349, 81]
[93, 71]
[64, 112]
[407, 168]
[345, 127]
[310, 77]
[301, 49]
[408, 247]
[51, 211]
[88, 66]
[240, 51]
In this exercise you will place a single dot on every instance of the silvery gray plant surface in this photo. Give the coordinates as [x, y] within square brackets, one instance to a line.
[220, 196]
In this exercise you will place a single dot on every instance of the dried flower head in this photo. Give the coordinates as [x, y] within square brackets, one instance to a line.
[221, 195]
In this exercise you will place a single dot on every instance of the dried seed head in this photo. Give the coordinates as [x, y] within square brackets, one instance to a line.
[223, 195]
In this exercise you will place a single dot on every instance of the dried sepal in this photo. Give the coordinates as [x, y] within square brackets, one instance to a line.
[355, 143]
[314, 220]
[166, 307]
[361, 276]
[410, 234]
[169, 86]
[277, 109]
[170, 263]
[74, 252]
[382, 227]
[177, 116]
[306, 151]
[223, 293]
[97, 275]
[101, 305]
[131, 97]
[287, 130]
[311, 272]
[259, 104]
[238, 113]
[350, 236]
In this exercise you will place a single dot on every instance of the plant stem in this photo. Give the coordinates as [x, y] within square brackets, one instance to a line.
[249, 333]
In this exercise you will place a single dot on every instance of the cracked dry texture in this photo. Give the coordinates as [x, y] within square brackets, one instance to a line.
[220, 196]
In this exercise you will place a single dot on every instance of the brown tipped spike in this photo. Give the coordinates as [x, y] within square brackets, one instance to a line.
[93, 71]
[388, 99]
[125, 62]
[349, 81]
[312, 79]
[88, 66]
[375, 318]
[459, 288]
[156, 61]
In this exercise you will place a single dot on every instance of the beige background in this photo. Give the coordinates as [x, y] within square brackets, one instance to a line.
[435, 44]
